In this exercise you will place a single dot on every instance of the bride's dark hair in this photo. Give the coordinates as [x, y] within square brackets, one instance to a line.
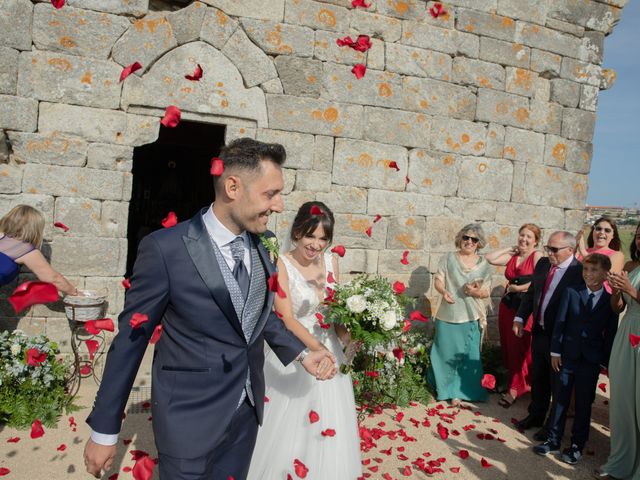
[309, 216]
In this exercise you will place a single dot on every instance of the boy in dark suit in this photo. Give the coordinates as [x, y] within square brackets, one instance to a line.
[583, 334]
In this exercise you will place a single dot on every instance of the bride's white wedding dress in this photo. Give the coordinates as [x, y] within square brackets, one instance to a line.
[287, 432]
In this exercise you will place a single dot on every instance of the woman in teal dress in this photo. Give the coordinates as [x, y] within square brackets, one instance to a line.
[463, 280]
[624, 374]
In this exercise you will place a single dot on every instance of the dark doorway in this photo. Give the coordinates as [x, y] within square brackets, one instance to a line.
[171, 174]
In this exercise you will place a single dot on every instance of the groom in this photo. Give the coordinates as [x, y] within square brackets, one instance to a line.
[206, 282]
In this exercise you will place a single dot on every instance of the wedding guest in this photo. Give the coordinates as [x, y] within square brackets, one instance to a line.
[21, 233]
[605, 239]
[624, 373]
[290, 430]
[581, 343]
[463, 280]
[520, 261]
[552, 275]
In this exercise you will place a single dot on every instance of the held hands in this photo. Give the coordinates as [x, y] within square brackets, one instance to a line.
[473, 289]
[556, 363]
[98, 457]
[321, 364]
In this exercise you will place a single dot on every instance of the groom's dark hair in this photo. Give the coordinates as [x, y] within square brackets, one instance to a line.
[246, 154]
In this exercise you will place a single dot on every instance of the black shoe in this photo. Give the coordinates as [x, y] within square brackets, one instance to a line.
[571, 455]
[541, 435]
[546, 447]
[529, 422]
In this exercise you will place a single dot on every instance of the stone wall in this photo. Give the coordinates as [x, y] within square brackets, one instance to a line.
[487, 110]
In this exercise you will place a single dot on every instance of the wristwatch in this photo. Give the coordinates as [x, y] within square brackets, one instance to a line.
[302, 355]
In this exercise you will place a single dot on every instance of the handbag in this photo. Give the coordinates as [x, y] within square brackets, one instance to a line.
[512, 300]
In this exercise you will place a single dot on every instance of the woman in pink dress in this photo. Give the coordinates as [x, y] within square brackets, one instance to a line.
[520, 262]
[603, 238]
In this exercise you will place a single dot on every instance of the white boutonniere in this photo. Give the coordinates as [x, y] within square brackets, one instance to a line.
[272, 246]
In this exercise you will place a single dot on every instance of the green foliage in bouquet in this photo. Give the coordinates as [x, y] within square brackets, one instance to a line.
[32, 381]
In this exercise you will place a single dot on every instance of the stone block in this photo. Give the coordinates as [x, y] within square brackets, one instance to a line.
[389, 262]
[289, 175]
[495, 140]
[91, 218]
[486, 24]
[521, 81]
[358, 261]
[73, 182]
[542, 89]
[376, 55]
[423, 35]
[469, 71]
[104, 156]
[376, 25]
[417, 61]
[578, 124]
[608, 79]
[272, 86]
[397, 127]
[519, 179]
[327, 50]
[523, 145]
[261, 9]
[308, 115]
[592, 50]
[592, 15]
[10, 178]
[300, 76]
[499, 236]
[554, 187]
[458, 136]
[485, 178]
[441, 233]
[187, 22]
[470, 210]
[232, 132]
[52, 149]
[405, 9]
[572, 155]
[367, 164]
[516, 214]
[589, 98]
[254, 65]
[438, 98]
[546, 39]
[8, 71]
[546, 117]
[545, 63]
[15, 23]
[299, 146]
[313, 181]
[101, 257]
[404, 203]
[345, 199]
[504, 53]
[382, 89]
[581, 72]
[433, 173]
[503, 108]
[406, 232]
[350, 231]
[317, 15]
[57, 77]
[323, 154]
[77, 31]
[17, 113]
[534, 12]
[217, 28]
[136, 8]
[566, 27]
[574, 220]
[280, 38]
[565, 92]
[484, 6]
[98, 125]
[114, 219]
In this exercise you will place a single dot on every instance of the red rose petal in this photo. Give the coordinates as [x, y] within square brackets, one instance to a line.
[92, 346]
[369, 232]
[394, 165]
[85, 370]
[171, 117]
[138, 319]
[634, 340]
[114, 476]
[127, 441]
[35, 357]
[143, 469]
[278, 314]
[329, 432]
[320, 318]
[126, 283]
[359, 70]
[399, 417]
[274, 286]
[300, 468]
[13, 440]
[36, 429]
[339, 250]
[404, 259]
[4, 471]
[488, 381]
[407, 326]
[61, 226]
[398, 353]
[61, 448]
[313, 416]
[217, 167]
[485, 463]
[128, 70]
[407, 471]
[197, 74]
[362, 43]
[454, 469]
[463, 454]
[345, 42]
[359, 3]
[377, 218]
[137, 454]
[603, 386]
[157, 333]
[443, 431]
[399, 288]
[32, 293]
[437, 10]
[417, 316]
[171, 220]
[93, 327]
[126, 469]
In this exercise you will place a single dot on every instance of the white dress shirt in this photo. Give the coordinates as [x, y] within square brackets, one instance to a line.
[594, 301]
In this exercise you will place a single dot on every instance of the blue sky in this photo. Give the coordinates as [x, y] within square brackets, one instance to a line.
[615, 170]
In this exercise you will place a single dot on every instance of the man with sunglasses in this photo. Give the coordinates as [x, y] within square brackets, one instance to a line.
[552, 275]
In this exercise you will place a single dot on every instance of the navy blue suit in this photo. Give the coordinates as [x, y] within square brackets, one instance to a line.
[201, 361]
[583, 336]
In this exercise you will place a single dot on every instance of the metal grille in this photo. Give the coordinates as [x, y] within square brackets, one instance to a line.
[139, 400]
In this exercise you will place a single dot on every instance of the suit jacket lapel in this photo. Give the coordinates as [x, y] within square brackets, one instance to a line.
[566, 279]
[198, 244]
[270, 270]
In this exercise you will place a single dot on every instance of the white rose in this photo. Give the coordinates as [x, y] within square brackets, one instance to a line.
[15, 349]
[390, 356]
[389, 320]
[356, 303]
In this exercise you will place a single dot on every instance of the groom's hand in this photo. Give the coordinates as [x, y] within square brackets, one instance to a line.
[321, 364]
[98, 457]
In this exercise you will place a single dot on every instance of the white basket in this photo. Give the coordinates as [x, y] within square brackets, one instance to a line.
[88, 305]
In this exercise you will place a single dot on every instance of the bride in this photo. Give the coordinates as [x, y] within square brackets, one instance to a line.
[307, 424]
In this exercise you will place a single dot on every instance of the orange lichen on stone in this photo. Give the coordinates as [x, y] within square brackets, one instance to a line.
[560, 152]
[312, 79]
[507, 22]
[405, 239]
[401, 7]
[578, 188]
[330, 114]
[504, 231]
[326, 17]
[224, 103]
[451, 144]
[469, 28]
[502, 107]
[535, 29]
[493, 242]
[410, 221]
[484, 82]
[168, 80]
[316, 114]
[523, 78]
[67, 42]
[364, 160]
[420, 154]
[220, 84]
[337, 130]
[222, 18]
[360, 225]
[139, 25]
[60, 63]
[427, 181]
[586, 156]
[448, 160]
[522, 115]
[33, 190]
[479, 145]
[465, 138]
[482, 167]
[186, 89]
[509, 151]
[492, 134]
[384, 90]
[86, 78]
[424, 104]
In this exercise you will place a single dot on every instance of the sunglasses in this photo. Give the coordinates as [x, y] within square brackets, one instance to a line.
[603, 229]
[467, 238]
[550, 249]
